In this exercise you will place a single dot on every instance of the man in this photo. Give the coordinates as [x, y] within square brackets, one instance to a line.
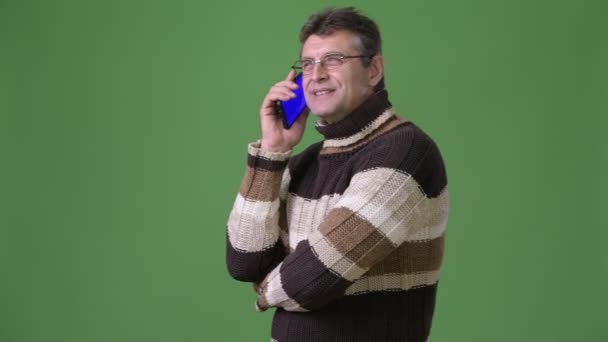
[346, 239]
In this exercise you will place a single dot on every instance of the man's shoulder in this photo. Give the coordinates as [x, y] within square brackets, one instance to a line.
[400, 138]
[405, 147]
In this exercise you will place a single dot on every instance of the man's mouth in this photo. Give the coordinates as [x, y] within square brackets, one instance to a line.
[322, 92]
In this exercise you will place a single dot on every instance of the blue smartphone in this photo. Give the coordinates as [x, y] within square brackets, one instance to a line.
[290, 110]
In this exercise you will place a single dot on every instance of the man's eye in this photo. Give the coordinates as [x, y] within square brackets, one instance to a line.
[333, 60]
[306, 64]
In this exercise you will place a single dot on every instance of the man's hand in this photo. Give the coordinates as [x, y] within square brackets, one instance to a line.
[275, 138]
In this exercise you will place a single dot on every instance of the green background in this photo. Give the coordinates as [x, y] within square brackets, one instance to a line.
[123, 132]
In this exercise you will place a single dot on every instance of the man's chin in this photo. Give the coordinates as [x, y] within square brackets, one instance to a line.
[328, 118]
[323, 116]
[322, 111]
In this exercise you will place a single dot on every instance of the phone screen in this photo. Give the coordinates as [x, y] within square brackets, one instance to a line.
[290, 110]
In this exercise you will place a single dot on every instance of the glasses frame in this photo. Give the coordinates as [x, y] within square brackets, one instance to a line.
[321, 62]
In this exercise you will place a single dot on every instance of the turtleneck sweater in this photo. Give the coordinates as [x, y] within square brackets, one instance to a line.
[345, 239]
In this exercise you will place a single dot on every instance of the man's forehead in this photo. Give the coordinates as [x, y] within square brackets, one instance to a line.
[336, 42]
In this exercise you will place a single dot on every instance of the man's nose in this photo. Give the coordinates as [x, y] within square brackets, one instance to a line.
[319, 72]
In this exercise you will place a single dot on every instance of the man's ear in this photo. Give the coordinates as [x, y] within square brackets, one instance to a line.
[376, 70]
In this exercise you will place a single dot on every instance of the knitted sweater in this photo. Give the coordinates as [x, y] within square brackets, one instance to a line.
[345, 239]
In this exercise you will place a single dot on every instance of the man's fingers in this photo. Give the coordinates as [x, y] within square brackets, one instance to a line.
[283, 92]
[277, 95]
[291, 75]
[289, 80]
[288, 84]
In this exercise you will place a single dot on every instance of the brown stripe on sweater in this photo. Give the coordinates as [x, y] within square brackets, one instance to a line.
[259, 162]
[283, 216]
[355, 238]
[410, 257]
[390, 124]
[260, 185]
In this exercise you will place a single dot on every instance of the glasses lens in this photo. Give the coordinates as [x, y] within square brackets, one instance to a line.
[307, 65]
[332, 61]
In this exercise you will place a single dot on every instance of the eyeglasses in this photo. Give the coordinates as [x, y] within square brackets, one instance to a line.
[328, 62]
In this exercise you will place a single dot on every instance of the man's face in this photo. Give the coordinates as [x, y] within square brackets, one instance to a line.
[333, 94]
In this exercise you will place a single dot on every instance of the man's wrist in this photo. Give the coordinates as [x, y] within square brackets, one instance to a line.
[255, 149]
[275, 149]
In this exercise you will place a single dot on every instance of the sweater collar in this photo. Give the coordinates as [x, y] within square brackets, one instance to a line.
[362, 121]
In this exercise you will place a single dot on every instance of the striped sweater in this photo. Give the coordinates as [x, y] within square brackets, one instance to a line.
[345, 239]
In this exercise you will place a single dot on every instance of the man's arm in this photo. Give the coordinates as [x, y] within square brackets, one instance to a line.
[253, 247]
[383, 208]
[253, 228]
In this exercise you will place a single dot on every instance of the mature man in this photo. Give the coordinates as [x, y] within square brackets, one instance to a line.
[346, 239]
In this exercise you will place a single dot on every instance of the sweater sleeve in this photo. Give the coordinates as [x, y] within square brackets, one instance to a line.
[384, 206]
[253, 247]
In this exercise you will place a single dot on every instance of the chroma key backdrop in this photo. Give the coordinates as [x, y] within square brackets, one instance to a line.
[123, 134]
